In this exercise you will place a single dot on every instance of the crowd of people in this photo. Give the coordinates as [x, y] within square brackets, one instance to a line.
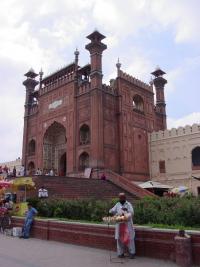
[10, 173]
[7, 172]
[51, 172]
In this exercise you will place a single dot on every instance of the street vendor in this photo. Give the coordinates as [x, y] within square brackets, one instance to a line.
[124, 231]
[30, 214]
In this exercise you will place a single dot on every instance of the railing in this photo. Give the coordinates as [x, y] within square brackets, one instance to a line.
[56, 83]
[125, 183]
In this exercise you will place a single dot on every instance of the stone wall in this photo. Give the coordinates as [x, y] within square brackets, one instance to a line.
[175, 148]
[155, 243]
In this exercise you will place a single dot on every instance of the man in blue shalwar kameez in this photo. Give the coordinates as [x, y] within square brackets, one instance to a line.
[31, 213]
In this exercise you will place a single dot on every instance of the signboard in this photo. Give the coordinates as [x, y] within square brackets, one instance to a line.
[87, 172]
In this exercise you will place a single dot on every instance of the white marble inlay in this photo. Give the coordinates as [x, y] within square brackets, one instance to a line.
[55, 104]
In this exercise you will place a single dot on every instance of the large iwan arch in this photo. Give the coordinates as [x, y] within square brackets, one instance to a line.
[54, 149]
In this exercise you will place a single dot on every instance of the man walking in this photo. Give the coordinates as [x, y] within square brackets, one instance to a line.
[124, 231]
[31, 213]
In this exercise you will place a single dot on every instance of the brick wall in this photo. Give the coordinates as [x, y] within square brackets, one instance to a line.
[155, 243]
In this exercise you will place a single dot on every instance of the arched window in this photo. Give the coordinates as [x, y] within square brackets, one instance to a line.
[83, 161]
[138, 103]
[84, 135]
[31, 147]
[196, 158]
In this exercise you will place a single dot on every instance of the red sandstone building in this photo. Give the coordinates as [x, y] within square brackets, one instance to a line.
[73, 121]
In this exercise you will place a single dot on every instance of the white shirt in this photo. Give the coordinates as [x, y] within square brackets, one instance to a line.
[42, 193]
[118, 210]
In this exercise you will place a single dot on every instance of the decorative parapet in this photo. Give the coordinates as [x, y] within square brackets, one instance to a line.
[135, 81]
[54, 83]
[109, 89]
[83, 88]
[58, 78]
[86, 86]
[174, 132]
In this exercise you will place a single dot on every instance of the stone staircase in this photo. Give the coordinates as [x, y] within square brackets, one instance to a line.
[76, 188]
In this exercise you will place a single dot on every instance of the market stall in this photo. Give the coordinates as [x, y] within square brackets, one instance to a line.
[22, 184]
[156, 187]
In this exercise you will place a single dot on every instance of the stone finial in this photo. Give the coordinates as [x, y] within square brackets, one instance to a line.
[118, 65]
[76, 53]
[158, 72]
[31, 74]
[41, 74]
[96, 36]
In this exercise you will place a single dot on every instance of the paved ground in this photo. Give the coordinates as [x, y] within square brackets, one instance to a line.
[16, 252]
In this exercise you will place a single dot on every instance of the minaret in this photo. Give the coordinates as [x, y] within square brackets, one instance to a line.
[118, 65]
[30, 84]
[96, 47]
[159, 83]
[76, 128]
[76, 53]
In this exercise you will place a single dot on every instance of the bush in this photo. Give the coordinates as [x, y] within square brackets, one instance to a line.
[88, 210]
[183, 211]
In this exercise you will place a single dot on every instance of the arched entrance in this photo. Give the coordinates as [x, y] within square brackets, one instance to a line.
[31, 168]
[54, 147]
[62, 165]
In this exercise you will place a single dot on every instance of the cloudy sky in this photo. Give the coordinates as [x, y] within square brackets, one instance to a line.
[142, 33]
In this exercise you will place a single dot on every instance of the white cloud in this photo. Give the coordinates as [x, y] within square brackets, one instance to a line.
[140, 68]
[11, 131]
[186, 120]
[132, 16]
[185, 68]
